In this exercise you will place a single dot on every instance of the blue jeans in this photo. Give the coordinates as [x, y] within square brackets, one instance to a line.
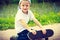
[23, 35]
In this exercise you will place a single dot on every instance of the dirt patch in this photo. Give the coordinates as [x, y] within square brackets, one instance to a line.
[5, 35]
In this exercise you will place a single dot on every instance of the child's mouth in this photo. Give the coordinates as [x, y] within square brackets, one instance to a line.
[24, 9]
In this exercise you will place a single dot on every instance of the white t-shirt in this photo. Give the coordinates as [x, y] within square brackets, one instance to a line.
[26, 17]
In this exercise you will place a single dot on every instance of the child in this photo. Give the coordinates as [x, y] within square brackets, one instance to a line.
[22, 18]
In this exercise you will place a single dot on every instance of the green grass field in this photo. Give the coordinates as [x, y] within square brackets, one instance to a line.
[45, 14]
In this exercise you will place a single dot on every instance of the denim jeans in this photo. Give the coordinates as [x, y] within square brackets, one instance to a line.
[23, 35]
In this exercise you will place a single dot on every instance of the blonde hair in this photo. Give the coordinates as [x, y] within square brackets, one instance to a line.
[25, 0]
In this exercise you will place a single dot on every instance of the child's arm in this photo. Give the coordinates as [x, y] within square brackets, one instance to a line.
[37, 22]
[27, 27]
[40, 26]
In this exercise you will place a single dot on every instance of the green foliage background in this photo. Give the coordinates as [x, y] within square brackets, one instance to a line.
[44, 12]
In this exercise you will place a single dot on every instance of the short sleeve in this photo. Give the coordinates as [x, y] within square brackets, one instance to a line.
[18, 16]
[31, 15]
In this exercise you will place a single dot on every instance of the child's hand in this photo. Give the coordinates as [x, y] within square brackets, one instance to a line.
[33, 32]
[44, 31]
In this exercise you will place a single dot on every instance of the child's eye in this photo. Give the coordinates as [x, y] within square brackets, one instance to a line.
[22, 5]
[26, 5]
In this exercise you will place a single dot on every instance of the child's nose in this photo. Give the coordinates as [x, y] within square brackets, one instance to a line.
[25, 7]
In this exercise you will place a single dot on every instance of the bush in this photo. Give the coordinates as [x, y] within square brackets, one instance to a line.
[6, 23]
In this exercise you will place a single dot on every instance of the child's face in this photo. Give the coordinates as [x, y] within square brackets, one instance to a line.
[25, 5]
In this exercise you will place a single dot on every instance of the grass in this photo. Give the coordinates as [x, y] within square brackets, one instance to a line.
[45, 14]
